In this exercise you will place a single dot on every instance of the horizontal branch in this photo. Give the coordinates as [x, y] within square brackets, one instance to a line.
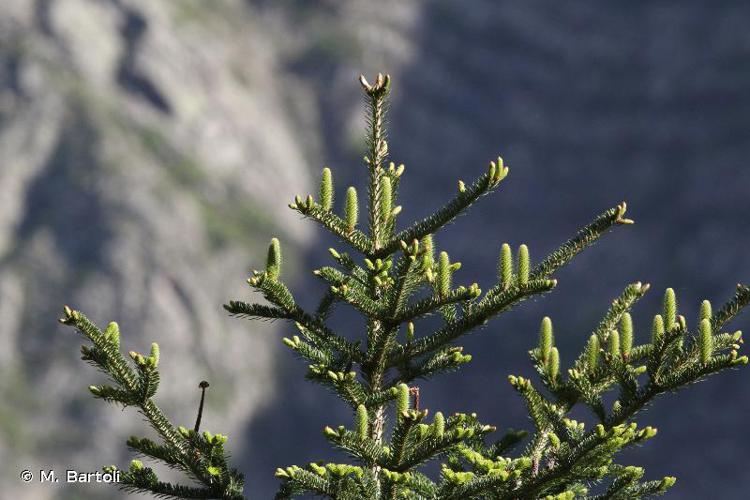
[255, 311]
[732, 308]
[431, 304]
[583, 239]
[335, 224]
[451, 331]
[445, 215]
[619, 307]
[320, 334]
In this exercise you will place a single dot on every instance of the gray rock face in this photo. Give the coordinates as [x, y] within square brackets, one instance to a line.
[145, 158]
[148, 150]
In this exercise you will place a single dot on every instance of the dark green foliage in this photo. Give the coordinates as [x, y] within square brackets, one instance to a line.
[200, 456]
[401, 279]
[398, 278]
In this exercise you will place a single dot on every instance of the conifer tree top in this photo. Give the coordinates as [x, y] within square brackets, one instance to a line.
[395, 276]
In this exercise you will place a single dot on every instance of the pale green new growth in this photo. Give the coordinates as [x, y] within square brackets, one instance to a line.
[626, 335]
[523, 264]
[362, 422]
[154, 354]
[402, 400]
[546, 340]
[592, 353]
[428, 257]
[439, 424]
[386, 199]
[414, 312]
[553, 364]
[506, 265]
[614, 344]
[351, 210]
[326, 189]
[657, 329]
[670, 310]
[112, 334]
[273, 262]
[706, 341]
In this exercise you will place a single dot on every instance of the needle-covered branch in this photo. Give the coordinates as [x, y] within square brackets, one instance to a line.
[583, 239]
[561, 452]
[343, 228]
[465, 197]
[200, 456]
[451, 331]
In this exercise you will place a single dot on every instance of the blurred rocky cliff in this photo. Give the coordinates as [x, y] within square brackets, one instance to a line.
[148, 150]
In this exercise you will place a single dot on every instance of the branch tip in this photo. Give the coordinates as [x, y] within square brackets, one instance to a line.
[382, 83]
[621, 209]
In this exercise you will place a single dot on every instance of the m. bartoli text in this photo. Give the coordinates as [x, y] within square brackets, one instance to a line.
[73, 476]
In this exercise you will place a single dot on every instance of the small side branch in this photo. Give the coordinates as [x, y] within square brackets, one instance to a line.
[583, 239]
[463, 200]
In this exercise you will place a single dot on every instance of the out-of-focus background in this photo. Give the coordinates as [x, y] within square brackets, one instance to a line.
[148, 150]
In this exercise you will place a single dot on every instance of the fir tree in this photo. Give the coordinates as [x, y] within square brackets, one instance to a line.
[395, 278]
